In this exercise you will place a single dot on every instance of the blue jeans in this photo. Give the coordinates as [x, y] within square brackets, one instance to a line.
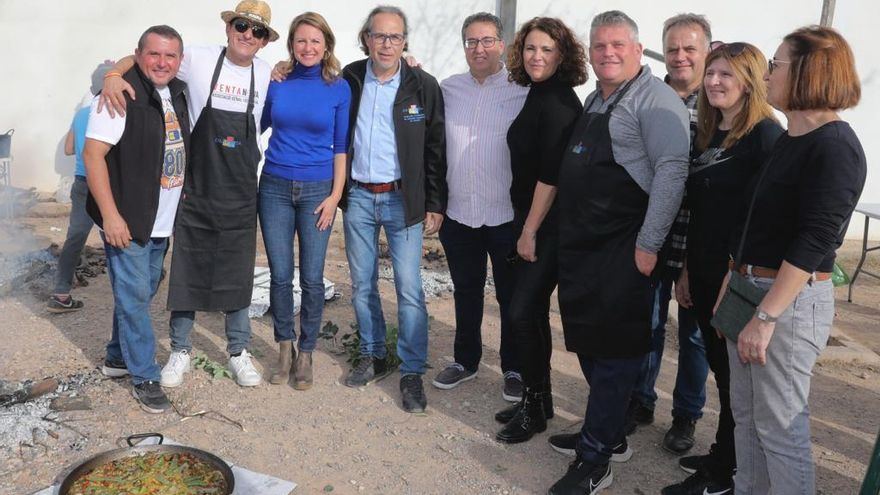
[689, 395]
[77, 233]
[287, 208]
[238, 330]
[366, 214]
[134, 277]
[467, 249]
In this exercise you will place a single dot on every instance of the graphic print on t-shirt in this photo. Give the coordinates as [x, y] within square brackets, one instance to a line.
[712, 156]
[175, 158]
[233, 93]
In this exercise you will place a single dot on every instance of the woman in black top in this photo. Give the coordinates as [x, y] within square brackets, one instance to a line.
[803, 201]
[547, 57]
[735, 133]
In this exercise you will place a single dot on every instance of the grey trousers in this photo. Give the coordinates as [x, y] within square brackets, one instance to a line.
[770, 402]
[77, 233]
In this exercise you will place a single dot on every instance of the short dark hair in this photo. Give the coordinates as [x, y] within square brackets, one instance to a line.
[483, 17]
[163, 31]
[368, 23]
[572, 56]
[822, 73]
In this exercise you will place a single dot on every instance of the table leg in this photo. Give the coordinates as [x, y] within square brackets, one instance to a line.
[861, 261]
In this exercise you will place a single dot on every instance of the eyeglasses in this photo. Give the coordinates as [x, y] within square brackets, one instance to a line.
[487, 42]
[259, 32]
[773, 64]
[733, 49]
[381, 38]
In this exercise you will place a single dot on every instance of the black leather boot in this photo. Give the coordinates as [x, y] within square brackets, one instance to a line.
[506, 414]
[530, 419]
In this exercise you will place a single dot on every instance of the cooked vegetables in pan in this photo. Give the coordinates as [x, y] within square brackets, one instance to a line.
[154, 473]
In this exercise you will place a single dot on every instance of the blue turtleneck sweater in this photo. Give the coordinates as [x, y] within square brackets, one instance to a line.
[309, 121]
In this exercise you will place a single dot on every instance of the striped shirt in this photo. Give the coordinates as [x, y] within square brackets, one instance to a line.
[478, 173]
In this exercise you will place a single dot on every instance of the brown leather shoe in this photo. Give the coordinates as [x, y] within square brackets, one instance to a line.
[286, 355]
[302, 373]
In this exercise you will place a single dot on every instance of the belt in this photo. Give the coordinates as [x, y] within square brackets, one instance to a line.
[379, 188]
[763, 272]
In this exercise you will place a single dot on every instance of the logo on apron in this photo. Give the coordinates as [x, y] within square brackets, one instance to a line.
[578, 148]
[228, 142]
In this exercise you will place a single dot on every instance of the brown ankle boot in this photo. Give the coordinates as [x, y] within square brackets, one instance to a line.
[302, 373]
[286, 354]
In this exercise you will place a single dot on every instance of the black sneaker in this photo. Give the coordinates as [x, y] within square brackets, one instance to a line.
[367, 371]
[513, 387]
[452, 376]
[693, 463]
[565, 443]
[699, 483]
[583, 478]
[151, 397]
[680, 437]
[58, 305]
[114, 369]
[412, 394]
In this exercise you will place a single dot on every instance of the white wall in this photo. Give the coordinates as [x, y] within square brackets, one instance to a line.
[53, 46]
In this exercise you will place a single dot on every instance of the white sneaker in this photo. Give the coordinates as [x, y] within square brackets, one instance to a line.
[243, 370]
[172, 373]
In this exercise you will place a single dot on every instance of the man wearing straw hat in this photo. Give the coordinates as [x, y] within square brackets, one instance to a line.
[215, 236]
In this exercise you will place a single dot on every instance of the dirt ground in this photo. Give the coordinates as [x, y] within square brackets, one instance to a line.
[342, 440]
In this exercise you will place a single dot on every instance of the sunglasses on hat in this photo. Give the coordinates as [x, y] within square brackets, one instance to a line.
[259, 32]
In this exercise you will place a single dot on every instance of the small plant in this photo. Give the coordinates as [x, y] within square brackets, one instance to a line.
[213, 368]
[349, 344]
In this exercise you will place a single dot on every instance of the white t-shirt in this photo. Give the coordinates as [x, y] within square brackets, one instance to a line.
[231, 92]
[109, 130]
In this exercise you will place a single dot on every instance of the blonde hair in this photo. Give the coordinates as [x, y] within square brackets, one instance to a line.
[748, 66]
[330, 66]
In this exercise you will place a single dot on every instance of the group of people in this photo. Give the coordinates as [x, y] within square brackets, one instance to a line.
[649, 184]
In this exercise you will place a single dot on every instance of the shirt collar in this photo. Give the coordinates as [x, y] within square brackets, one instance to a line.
[491, 79]
[395, 79]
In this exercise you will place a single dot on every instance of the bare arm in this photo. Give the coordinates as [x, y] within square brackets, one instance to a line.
[68, 143]
[115, 229]
[541, 202]
[114, 86]
[327, 208]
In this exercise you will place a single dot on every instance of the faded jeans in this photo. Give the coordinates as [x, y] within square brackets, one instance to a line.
[770, 402]
[366, 213]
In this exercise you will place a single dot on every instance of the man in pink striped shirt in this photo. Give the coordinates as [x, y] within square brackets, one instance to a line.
[480, 104]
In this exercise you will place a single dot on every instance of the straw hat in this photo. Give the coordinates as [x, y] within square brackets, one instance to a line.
[253, 10]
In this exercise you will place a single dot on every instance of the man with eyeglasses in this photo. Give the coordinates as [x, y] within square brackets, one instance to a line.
[480, 104]
[397, 172]
[212, 266]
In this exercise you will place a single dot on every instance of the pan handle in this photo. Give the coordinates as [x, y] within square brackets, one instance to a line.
[139, 436]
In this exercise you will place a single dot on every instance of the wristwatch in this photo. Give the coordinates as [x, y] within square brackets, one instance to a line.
[764, 316]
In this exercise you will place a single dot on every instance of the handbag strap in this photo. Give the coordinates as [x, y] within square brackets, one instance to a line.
[737, 260]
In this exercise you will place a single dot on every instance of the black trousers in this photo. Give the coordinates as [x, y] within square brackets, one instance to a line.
[704, 287]
[467, 249]
[530, 307]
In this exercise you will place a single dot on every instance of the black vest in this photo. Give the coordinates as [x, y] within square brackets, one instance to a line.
[135, 162]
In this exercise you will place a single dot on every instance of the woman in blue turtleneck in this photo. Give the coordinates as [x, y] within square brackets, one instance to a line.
[302, 182]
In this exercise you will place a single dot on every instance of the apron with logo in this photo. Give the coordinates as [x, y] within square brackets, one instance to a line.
[212, 263]
[605, 302]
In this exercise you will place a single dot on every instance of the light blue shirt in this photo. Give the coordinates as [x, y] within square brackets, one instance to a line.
[375, 144]
[80, 123]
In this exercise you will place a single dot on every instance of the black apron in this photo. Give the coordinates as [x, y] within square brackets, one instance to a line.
[605, 302]
[212, 264]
